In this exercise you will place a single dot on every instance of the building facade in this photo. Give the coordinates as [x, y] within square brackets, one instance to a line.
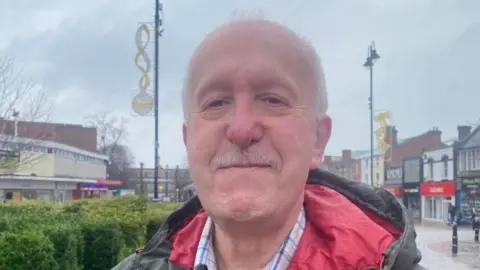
[409, 147]
[437, 190]
[51, 159]
[357, 170]
[378, 168]
[412, 177]
[171, 181]
[46, 170]
[393, 181]
[467, 153]
[341, 165]
[78, 136]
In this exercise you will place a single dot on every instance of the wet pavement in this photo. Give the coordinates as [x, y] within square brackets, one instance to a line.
[436, 246]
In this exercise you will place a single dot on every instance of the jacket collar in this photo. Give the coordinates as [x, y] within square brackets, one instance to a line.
[403, 253]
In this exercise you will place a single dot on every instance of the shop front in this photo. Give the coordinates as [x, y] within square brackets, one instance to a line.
[89, 191]
[469, 197]
[393, 181]
[95, 190]
[27, 188]
[411, 180]
[435, 199]
[411, 199]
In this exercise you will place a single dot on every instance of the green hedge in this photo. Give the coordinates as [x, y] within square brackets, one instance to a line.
[82, 235]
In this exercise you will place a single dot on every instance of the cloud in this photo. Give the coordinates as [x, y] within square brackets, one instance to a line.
[84, 50]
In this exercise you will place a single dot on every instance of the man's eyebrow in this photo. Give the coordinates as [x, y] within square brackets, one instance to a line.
[206, 83]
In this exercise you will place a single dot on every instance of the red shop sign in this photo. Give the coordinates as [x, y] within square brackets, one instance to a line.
[444, 189]
[394, 190]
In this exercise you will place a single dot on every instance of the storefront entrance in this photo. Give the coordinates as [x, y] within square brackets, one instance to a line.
[411, 199]
[435, 199]
[470, 197]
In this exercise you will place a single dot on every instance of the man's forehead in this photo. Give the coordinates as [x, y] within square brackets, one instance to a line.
[259, 36]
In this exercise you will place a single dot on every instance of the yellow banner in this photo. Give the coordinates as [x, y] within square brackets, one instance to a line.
[382, 119]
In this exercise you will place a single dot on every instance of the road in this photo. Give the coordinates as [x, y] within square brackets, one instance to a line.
[435, 245]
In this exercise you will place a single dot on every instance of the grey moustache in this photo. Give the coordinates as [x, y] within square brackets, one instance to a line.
[237, 159]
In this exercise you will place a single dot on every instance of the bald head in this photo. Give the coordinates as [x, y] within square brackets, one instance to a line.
[260, 36]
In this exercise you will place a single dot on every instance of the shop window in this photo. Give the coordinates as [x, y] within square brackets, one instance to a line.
[469, 160]
[463, 161]
[445, 167]
[476, 159]
[430, 168]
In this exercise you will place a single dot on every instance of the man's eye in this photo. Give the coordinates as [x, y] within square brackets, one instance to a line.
[273, 101]
[215, 104]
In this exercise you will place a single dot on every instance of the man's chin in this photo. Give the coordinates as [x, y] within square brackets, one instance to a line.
[243, 208]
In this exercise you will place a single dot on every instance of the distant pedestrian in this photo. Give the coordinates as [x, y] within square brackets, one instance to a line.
[474, 214]
[451, 212]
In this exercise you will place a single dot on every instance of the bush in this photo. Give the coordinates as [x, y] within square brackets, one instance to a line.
[68, 242]
[155, 218]
[26, 250]
[80, 235]
[103, 242]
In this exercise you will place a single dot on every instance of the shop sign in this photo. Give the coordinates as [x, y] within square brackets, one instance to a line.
[109, 182]
[410, 190]
[395, 173]
[444, 189]
[471, 182]
[394, 176]
[93, 187]
[394, 190]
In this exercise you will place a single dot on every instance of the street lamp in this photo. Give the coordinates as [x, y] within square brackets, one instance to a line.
[158, 33]
[372, 57]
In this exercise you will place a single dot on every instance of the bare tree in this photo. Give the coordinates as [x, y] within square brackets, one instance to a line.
[21, 100]
[111, 139]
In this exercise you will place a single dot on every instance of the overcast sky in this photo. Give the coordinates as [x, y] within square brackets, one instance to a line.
[428, 74]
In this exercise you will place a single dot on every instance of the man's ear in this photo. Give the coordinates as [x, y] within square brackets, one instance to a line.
[324, 130]
[184, 133]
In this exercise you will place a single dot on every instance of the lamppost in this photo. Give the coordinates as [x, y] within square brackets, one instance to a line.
[158, 33]
[372, 57]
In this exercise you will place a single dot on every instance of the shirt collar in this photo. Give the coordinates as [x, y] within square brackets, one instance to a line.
[205, 259]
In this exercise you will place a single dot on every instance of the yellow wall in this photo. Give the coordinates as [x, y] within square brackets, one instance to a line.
[379, 168]
[70, 167]
[39, 164]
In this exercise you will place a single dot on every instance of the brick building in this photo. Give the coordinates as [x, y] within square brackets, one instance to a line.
[77, 136]
[406, 156]
[410, 147]
[345, 165]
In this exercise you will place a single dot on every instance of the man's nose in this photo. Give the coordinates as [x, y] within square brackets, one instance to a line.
[244, 128]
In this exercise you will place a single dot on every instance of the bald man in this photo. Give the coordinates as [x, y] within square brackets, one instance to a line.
[255, 130]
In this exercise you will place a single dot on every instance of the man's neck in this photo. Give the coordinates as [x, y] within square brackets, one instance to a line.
[252, 246]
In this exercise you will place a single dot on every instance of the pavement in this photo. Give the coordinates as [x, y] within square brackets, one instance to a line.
[435, 243]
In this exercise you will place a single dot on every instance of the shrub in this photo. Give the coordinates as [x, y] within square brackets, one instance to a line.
[156, 216]
[68, 242]
[103, 242]
[26, 250]
[80, 235]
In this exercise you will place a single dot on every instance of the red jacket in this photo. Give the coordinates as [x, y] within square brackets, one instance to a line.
[350, 226]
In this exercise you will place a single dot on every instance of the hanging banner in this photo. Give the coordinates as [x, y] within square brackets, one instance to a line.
[382, 119]
[142, 101]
